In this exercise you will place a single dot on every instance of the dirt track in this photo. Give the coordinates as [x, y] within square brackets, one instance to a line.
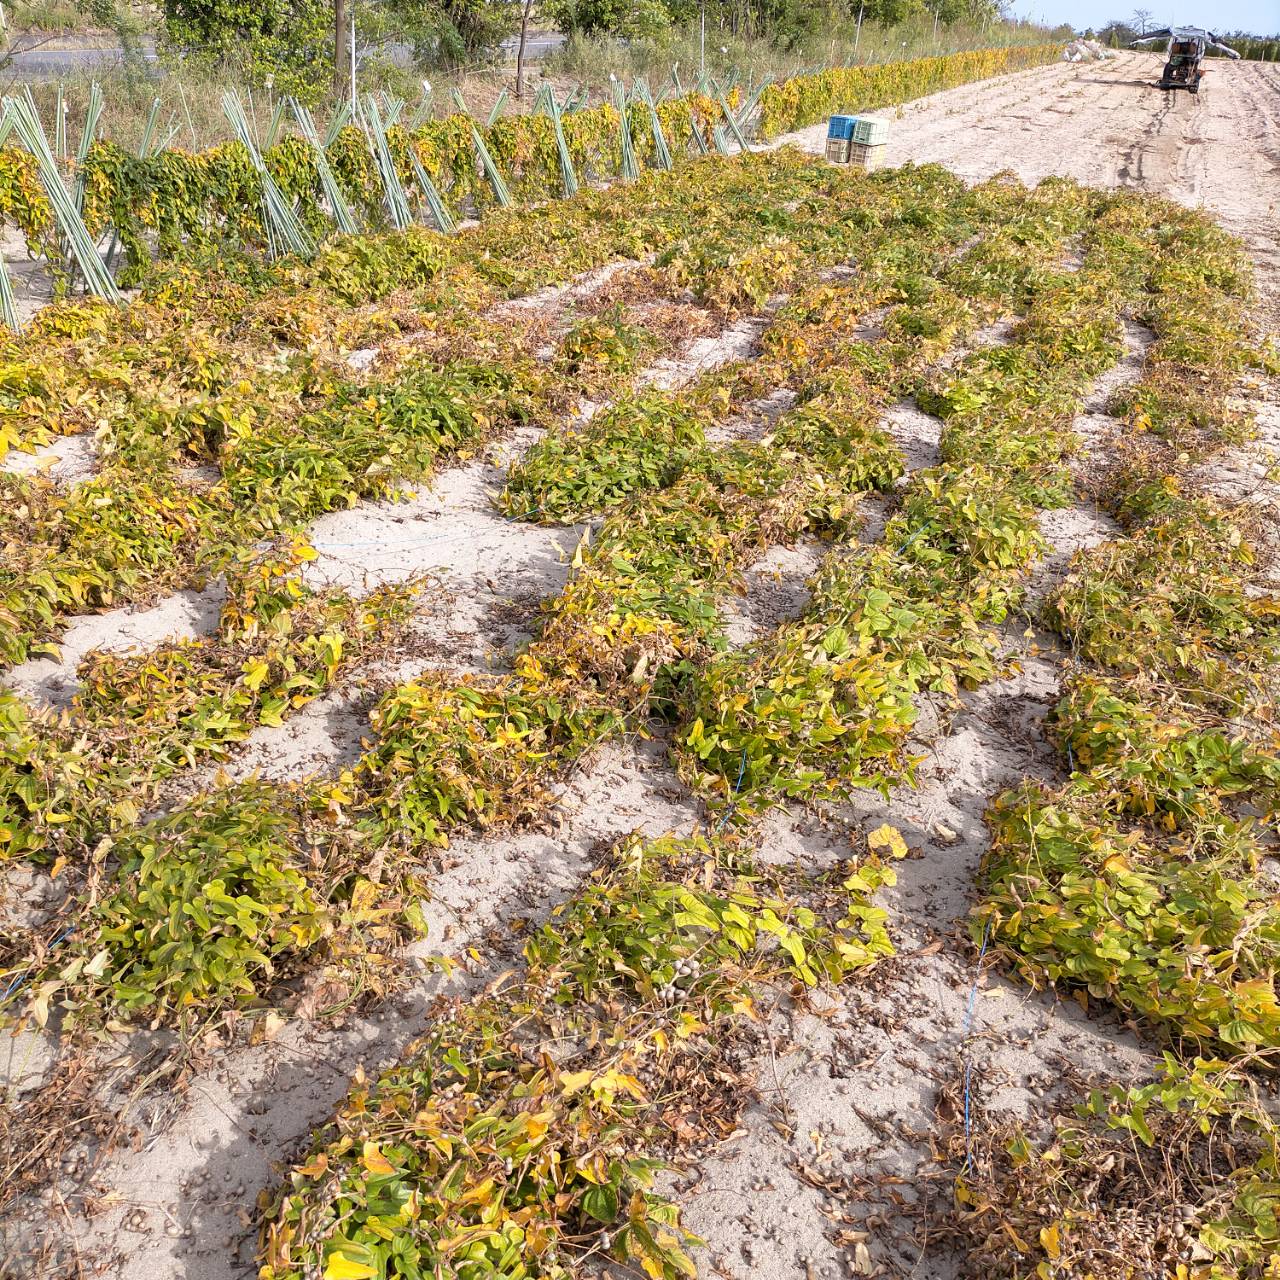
[1105, 124]
[858, 1084]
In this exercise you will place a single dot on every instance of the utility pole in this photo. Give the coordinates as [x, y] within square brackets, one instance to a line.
[524, 35]
[341, 55]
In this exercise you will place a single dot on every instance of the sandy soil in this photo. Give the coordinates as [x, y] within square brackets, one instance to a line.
[1105, 124]
[851, 1089]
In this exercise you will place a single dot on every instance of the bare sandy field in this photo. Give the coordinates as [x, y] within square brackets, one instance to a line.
[847, 1092]
[1107, 125]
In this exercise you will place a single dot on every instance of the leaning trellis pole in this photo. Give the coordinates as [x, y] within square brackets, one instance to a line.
[397, 202]
[186, 111]
[285, 233]
[435, 201]
[8, 304]
[25, 120]
[662, 153]
[394, 106]
[546, 101]
[733, 124]
[173, 128]
[333, 193]
[277, 120]
[150, 129]
[490, 167]
[341, 118]
[629, 167]
[423, 109]
[60, 126]
[92, 115]
[752, 101]
[487, 162]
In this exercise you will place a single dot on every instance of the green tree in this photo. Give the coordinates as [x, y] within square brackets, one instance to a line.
[289, 42]
[630, 19]
[445, 34]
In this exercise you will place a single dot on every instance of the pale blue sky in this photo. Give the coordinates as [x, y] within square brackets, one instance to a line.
[1262, 17]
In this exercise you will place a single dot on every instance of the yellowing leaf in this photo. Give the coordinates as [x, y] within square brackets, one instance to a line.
[340, 1268]
[314, 1167]
[254, 674]
[889, 839]
[375, 1162]
[572, 1081]
[1049, 1240]
[478, 1194]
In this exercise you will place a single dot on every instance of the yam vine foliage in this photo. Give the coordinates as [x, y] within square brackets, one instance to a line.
[1138, 883]
[302, 437]
[178, 204]
[826, 703]
[483, 1154]
[520, 1137]
[805, 100]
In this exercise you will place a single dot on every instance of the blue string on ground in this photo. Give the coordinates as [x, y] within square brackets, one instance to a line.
[733, 795]
[968, 1026]
[23, 977]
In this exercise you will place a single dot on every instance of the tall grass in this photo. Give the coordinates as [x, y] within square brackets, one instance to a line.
[1254, 48]
[749, 58]
[191, 114]
[47, 16]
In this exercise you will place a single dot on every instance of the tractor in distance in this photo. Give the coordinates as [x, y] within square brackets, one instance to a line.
[1184, 56]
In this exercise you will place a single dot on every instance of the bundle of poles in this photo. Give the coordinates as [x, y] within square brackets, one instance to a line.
[375, 115]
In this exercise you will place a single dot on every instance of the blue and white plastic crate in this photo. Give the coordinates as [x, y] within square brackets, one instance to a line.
[841, 127]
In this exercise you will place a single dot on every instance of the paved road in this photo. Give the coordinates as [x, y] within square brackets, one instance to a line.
[61, 62]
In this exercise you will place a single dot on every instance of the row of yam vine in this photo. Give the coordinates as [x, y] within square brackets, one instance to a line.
[483, 1156]
[480, 1153]
[177, 202]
